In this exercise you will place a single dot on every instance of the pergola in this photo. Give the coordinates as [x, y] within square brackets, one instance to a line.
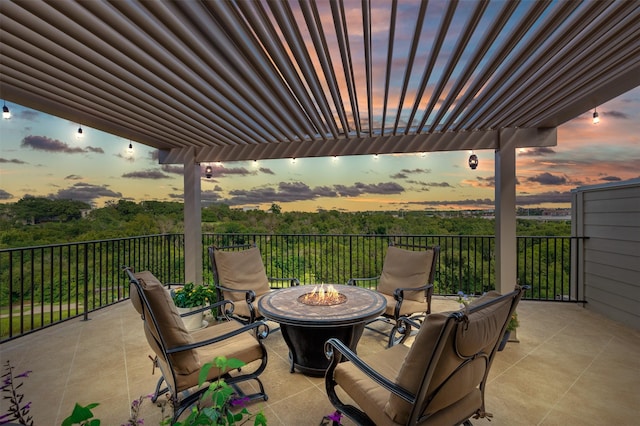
[224, 80]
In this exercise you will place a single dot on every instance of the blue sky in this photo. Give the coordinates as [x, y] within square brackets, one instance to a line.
[41, 155]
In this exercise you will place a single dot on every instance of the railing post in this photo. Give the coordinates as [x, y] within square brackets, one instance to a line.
[86, 283]
[350, 256]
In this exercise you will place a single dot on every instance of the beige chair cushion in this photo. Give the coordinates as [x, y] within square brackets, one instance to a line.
[478, 335]
[244, 347]
[242, 309]
[415, 365]
[146, 277]
[455, 380]
[241, 270]
[366, 393]
[407, 308]
[169, 323]
[405, 268]
[482, 332]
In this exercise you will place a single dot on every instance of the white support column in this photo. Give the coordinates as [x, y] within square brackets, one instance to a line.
[506, 243]
[192, 221]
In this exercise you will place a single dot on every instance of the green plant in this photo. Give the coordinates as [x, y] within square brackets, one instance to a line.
[191, 295]
[513, 322]
[219, 404]
[82, 416]
[18, 412]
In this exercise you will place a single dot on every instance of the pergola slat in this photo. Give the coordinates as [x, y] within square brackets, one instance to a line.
[242, 79]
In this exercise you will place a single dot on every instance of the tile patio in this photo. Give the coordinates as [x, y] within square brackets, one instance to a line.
[571, 366]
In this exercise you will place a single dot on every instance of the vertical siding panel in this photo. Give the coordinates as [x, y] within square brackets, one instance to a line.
[608, 216]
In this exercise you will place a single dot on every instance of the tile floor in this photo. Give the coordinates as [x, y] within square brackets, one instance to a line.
[571, 366]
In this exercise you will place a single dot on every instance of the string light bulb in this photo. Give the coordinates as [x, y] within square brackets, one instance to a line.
[80, 132]
[130, 149]
[6, 114]
[208, 172]
[596, 116]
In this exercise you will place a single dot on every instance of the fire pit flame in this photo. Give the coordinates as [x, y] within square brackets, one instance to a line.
[323, 297]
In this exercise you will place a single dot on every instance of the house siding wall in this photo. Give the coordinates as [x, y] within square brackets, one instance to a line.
[608, 274]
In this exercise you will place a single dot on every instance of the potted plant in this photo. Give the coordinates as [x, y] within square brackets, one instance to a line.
[190, 297]
[464, 299]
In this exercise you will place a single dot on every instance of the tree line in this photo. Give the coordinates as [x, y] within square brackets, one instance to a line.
[40, 221]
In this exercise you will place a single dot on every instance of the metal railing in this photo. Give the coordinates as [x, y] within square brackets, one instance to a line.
[41, 286]
[44, 285]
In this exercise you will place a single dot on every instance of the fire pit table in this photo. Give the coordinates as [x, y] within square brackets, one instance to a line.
[308, 321]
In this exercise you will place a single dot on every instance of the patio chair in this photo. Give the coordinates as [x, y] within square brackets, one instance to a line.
[239, 276]
[406, 281]
[439, 380]
[180, 354]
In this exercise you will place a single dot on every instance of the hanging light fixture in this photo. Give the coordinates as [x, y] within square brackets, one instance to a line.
[6, 114]
[130, 149]
[596, 116]
[473, 161]
[80, 133]
[208, 172]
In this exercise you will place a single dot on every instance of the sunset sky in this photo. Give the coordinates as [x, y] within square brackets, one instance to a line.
[40, 155]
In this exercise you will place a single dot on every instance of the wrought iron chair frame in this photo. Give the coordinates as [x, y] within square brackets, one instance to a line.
[337, 352]
[250, 295]
[259, 329]
[398, 332]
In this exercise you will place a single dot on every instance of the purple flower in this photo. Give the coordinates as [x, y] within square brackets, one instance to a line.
[25, 374]
[236, 402]
[335, 417]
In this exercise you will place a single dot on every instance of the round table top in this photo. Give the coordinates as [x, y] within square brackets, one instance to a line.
[283, 306]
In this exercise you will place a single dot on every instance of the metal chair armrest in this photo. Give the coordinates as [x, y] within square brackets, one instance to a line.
[209, 307]
[250, 294]
[262, 330]
[354, 281]
[344, 351]
[398, 293]
[292, 281]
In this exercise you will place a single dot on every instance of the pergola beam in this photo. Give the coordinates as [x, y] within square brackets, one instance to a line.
[399, 144]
